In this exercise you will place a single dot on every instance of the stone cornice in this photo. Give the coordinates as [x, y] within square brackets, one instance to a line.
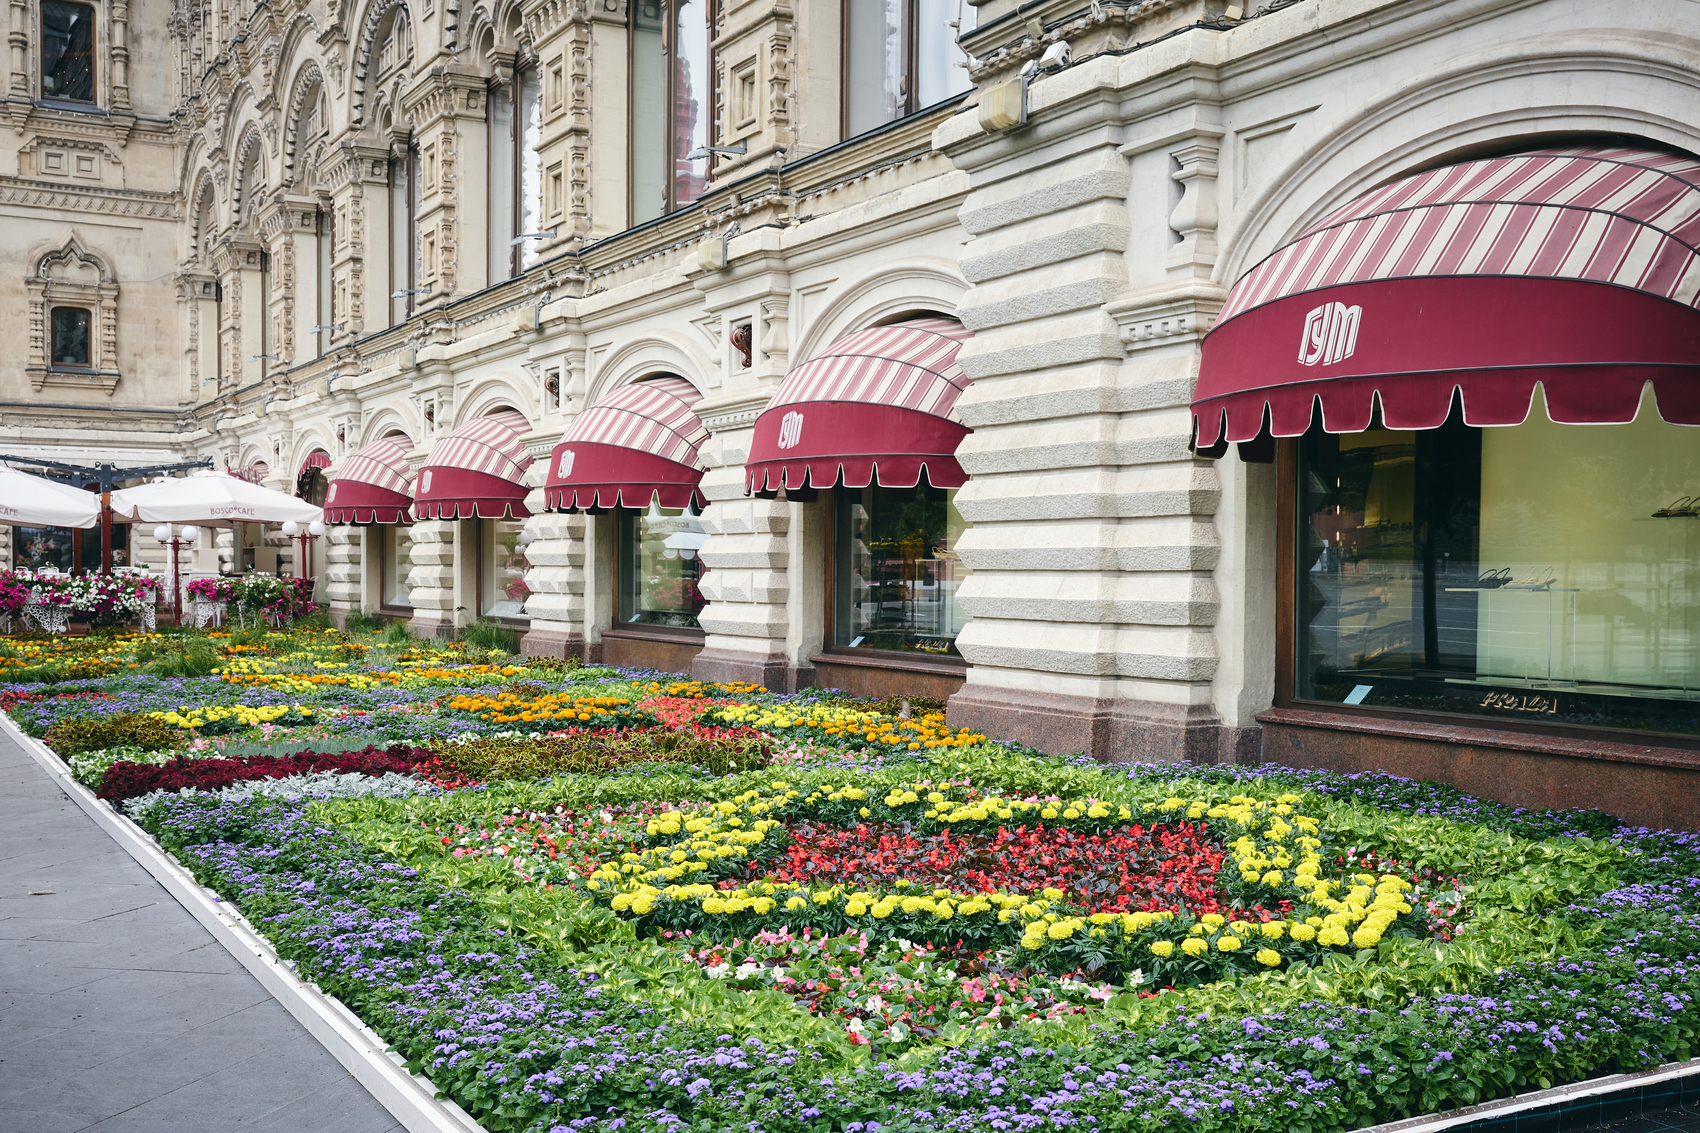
[113, 202]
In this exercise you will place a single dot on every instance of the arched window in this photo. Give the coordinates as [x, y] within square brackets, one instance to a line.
[672, 104]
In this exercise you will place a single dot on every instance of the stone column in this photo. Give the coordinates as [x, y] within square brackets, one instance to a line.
[343, 570]
[431, 582]
[1093, 550]
[747, 619]
[556, 577]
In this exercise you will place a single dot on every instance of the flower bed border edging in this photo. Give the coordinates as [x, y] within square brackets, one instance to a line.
[410, 1098]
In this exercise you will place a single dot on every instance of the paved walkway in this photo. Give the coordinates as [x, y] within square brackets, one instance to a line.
[120, 1013]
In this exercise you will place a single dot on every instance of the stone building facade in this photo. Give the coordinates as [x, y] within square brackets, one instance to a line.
[300, 228]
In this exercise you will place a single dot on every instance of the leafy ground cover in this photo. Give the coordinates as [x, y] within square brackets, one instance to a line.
[598, 899]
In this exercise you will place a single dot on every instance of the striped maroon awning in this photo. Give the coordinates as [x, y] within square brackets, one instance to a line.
[373, 485]
[874, 406]
[475, 471]
[318, 458]
[639, 443]
[1574, 269]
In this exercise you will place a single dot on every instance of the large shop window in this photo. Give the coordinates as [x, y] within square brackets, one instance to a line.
[901, 56]
[672, 104]
[67, 52]
[501, 568]
[1536, 572]
[68, 549]
[395, 557]
[660, 567]
[896, 574]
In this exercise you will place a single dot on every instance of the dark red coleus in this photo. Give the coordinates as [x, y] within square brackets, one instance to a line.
[130, 780]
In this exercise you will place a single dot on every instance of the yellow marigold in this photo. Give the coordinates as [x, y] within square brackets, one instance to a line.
[1304, 932]
[882, 910]
[1366, 937]
[1274, 877]
[1162, 948]
[1195, 946]
[1272, 930]
[1268, 957]
[714, 906]
[1062, 930]
[1228, 944]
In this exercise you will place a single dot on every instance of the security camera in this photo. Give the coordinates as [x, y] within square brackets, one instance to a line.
[1056, 58]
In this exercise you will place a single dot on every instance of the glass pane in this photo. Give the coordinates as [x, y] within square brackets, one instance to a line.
[67, 52]
[397, 565]
[400, 242]
[660, 567]
[70, 336]
[326, 309]
[878, 58]
[897, 574]
[937, 74]
[650, 129]
[530, 161]
[502, 229]
[43, 548]
[691, 104]
[1516, 572]
[504, 587]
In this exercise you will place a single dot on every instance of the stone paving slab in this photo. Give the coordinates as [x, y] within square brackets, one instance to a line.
[120, 1013]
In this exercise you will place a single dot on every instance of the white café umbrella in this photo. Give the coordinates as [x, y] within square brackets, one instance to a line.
[211, 497]
[34, 501]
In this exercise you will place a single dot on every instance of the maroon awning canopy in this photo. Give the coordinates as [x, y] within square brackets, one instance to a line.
[639, 443]
[475, 471]
[372, 485]
[1573, 269]
[873, 407]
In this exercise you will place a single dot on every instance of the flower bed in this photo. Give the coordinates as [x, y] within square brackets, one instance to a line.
[589, 899]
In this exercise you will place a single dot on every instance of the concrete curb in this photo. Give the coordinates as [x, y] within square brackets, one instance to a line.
[411, 1098]
[1523, 1103]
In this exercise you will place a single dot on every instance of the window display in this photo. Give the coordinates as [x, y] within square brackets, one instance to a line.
[660, 567]
[896, 573]
[396, 559]
[1540, 572]
[501, 568]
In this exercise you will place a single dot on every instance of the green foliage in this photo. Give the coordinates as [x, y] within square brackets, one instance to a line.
[133, 729]
[398, 633]
[538, 757]
[192, 657]
[553, 666]
[486, 634]
[361, 622]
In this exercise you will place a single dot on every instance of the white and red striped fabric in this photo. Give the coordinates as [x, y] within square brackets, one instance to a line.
[1572, 268]
[875, 405]
[475, 471]
[641, 442]
[373, 485]
[318, 458]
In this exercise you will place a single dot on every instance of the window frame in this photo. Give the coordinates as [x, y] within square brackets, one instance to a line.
[89, 324]
[94, 54]
[669, 139]
[830, 644]
[1287, 520]
[912, 103]
[625, 576]
[525, 65]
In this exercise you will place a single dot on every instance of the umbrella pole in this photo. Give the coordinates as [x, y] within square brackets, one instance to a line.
[106, 532]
